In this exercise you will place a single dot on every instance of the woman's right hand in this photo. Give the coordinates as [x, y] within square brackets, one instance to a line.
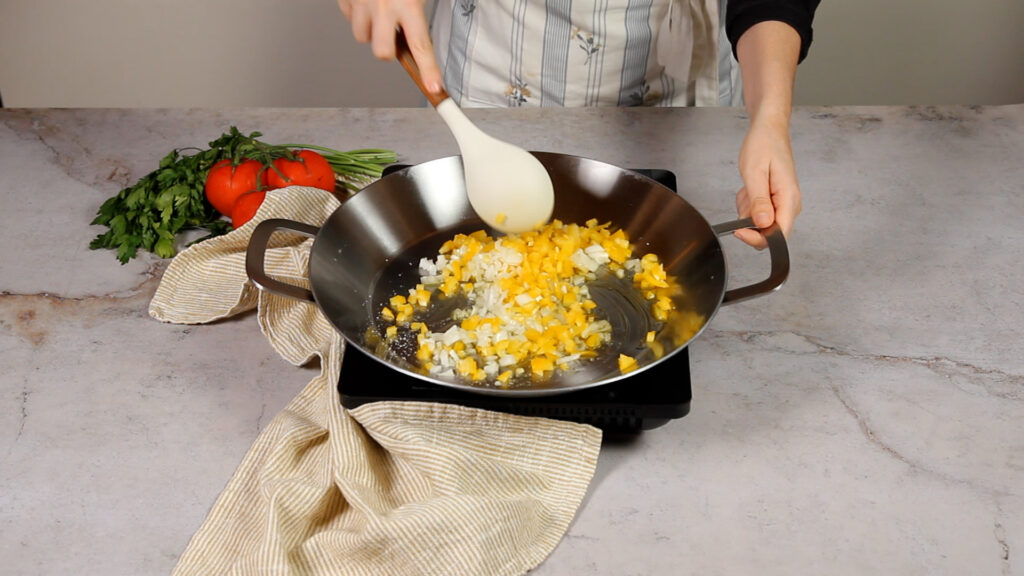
[377, 22]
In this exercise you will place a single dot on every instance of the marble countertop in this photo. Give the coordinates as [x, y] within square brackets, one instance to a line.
[868, 418]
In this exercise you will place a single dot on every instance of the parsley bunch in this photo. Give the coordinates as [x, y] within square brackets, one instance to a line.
[171, 199]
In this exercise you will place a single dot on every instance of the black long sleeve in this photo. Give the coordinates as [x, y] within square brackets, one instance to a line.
[740, 15]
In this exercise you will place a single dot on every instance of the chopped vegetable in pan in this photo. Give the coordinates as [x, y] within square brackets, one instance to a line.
[529, 312]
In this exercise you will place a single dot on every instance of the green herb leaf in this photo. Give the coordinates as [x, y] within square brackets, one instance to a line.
[171, 199]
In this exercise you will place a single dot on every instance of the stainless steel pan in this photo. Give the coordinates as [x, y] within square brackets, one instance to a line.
[369, 250]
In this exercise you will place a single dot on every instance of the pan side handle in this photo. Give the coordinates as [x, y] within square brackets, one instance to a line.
[778, 251]
[255, 253]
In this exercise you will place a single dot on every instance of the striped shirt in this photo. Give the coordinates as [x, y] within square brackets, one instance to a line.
[587, 53]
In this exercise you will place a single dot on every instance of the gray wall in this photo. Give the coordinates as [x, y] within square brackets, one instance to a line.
[915, 52]
[179, 53]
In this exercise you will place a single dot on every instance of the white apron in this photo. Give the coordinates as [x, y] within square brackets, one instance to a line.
[584, 53]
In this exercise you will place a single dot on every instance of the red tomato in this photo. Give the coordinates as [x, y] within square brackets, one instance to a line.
[309, 169]
[225, 183]
[246, 206]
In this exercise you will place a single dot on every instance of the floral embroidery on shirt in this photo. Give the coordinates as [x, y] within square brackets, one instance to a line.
[517, 93]
[586, 43]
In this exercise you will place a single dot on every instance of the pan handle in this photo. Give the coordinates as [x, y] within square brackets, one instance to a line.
[254, 256]
[778, 251]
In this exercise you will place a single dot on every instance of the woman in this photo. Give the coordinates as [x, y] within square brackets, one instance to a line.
[623, 53]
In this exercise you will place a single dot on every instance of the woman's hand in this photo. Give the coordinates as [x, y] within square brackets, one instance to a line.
[377, 22]
[768, 53]
[770, 191]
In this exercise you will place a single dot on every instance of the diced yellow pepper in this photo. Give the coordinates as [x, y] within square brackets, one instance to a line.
[467, 367]
[541, 364]
[626, 363]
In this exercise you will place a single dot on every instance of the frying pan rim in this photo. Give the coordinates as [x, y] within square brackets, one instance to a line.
[351, 339]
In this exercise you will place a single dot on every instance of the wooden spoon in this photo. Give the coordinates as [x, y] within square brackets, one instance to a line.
[507, 186]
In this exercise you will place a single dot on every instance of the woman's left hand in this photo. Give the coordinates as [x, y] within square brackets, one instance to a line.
[770, 191]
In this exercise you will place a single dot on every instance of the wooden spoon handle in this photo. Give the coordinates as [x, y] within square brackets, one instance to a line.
[404, 56]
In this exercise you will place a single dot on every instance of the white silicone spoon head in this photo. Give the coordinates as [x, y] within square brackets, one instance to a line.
[508, 187]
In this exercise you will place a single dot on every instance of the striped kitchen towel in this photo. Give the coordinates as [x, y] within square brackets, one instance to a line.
[389, 488]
